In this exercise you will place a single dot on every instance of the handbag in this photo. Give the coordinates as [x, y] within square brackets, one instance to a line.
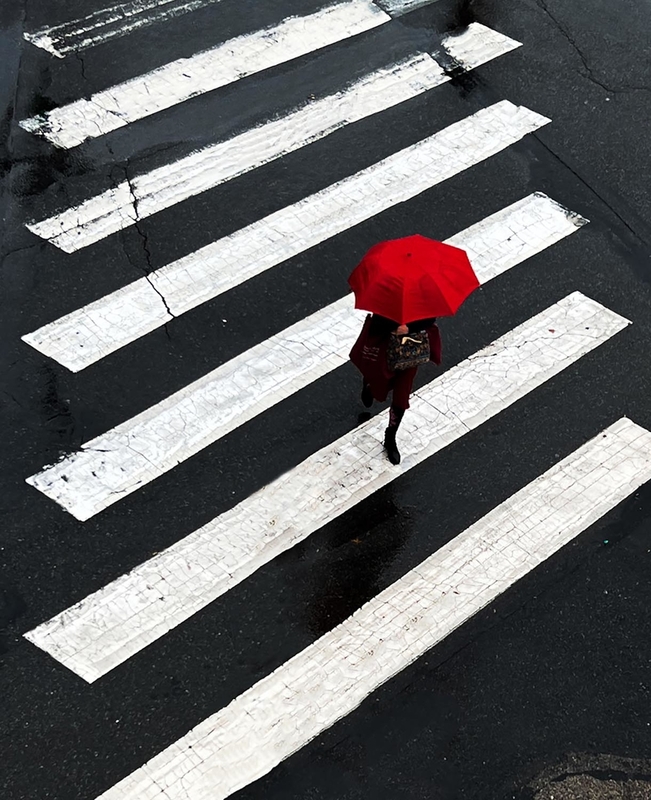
[407, 350]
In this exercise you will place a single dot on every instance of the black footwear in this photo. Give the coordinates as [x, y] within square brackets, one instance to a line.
[390, 445]
[367, 395]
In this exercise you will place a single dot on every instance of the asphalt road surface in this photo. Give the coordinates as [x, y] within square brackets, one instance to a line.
[212, 582]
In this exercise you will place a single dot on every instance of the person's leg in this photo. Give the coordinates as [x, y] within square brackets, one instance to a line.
[367, 395]
[399, 404]
[395, 418]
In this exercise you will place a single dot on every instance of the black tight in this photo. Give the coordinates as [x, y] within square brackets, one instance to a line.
[395, 416]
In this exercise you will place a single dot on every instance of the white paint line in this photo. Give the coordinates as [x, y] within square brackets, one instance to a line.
[92, 332]
[398, 7]
[184, 78]
[107, 627]
[151, 192]
[330, 678]
[109, 23]
[119, 20]
[477, 45]
[119, 462]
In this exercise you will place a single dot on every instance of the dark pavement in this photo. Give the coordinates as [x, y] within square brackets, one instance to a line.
[550, 682]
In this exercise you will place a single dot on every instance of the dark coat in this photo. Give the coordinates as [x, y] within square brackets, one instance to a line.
[369, 353]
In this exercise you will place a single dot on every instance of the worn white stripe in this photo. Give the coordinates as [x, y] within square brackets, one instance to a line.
[116, 21]
[109, 23]
[330, 678]
[476, 45]
[184, 78]
[92, 332]
[106, 628]
[131, 455]
[398, 7]
[163, 187]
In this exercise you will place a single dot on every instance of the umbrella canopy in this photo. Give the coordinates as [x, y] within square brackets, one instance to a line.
[412, 278]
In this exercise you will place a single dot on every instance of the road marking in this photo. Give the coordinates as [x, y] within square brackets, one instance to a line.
[151, 192]
[92, 332]
[398, 7]
[110, 467]
[109, 23]
[119, 20]
[332, 677]
[184, 78]
[107, 627]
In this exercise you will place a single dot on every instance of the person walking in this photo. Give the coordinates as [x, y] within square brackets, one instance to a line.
[406, 284]
[372, 354]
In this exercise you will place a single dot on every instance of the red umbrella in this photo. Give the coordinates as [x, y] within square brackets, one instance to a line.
[412, 278]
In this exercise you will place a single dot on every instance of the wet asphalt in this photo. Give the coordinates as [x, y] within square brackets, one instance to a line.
[558, 666]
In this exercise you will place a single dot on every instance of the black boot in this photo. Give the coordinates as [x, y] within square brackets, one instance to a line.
[395, 418]
[367, 395]
[390, 445]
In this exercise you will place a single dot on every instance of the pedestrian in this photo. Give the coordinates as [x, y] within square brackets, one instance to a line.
[406, 284]
[389, 365]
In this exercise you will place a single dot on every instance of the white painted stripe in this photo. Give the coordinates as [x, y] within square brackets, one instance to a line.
[109, 23]
[110, 467]
[330, 678]
[476, 45]
[114, 623]
[92, 332]
[184, 78]
[398, 7]
[119, 20]
[147, 194]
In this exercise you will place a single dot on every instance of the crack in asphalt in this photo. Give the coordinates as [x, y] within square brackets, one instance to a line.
[145, 246]
[591, 188]
[20, 249]
[588, 71]
[12, 397]
[83, 65]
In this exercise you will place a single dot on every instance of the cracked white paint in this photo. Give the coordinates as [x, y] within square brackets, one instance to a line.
[203, 72]
[92, 332]
[115, 209]
[136, 452]
[109, 23]
[330, 678]
[107, 627]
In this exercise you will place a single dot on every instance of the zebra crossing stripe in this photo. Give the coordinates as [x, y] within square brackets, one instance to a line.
[92, 332]
[330, 678]
[109, 23]
[136, 452]
[140, 197]
[203, 72]
[106, 628]
[119, 20]
[398, 7]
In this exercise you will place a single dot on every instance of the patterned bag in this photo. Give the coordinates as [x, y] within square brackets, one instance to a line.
[407, 350]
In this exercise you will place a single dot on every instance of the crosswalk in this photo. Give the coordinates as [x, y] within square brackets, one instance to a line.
[138, 198]
[101, 631]
[87, 335]
[330, 678]
[109, 468]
